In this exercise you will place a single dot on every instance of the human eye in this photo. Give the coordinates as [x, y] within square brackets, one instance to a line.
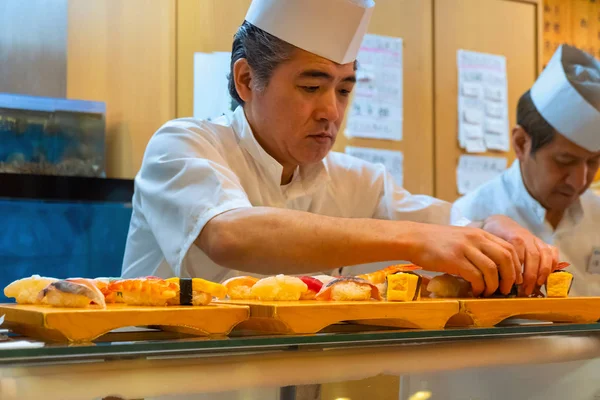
[310, 89]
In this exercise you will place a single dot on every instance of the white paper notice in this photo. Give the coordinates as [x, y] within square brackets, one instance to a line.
[392, 160]
[376, 110]
[482, 102]
[473, 171]
[211, 96]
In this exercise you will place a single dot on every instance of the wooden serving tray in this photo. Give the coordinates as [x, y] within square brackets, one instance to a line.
[311, 316]
[85, 325]
[490, 312]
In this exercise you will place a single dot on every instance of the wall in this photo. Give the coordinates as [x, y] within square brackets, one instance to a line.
[33, 47]
[123, 53]
[575, 22]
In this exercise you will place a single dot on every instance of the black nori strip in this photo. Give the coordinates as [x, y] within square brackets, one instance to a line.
[514, 292]
[185, 291]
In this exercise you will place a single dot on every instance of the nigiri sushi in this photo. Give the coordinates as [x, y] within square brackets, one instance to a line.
[348, 289]
[75, 293]
[559, 281]
[449, 286]
[378, 278]
[403, 286]
[196, 291]
[103, 284]
[240, 287]
[324, 279]
[147, 291]
[314, 286]
[279, 288]
[26, 290]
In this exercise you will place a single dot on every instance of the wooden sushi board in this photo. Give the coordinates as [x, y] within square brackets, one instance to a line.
[85, 325]
[490, 312]
[311, 316]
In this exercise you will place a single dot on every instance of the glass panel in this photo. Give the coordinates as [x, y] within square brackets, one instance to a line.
[156, 344]
[61, 239]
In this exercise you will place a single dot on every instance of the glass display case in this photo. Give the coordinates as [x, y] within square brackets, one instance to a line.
[532, 361]
[51, 136]
[62, 226]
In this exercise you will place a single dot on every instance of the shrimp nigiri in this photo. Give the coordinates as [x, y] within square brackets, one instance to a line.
[148, 291]
[240, 287]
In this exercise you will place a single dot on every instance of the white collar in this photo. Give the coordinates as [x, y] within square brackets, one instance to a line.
[523, 200]
[311, 176]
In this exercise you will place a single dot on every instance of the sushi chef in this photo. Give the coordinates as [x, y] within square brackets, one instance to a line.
[262, 193]
[557, 143]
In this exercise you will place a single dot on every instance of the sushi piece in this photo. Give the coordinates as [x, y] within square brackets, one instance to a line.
[110, 297]
[239, 287]
[559, 282]
[378, 278]
[324, 279]
[403, 286]
[147, 291]
[75, 294]
[196, 291]
[449, 286]
[279, 288]
[314, 286]
[26, 290]
[348, 289]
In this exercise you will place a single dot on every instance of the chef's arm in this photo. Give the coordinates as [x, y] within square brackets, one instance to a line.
[263, 239]
[271, 241]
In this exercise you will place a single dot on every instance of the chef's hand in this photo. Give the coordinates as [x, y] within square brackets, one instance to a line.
[477, 256]
[538, 258]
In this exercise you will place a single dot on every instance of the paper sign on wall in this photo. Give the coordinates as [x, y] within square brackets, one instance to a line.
[376, 110]
[391, 159]
[473, 171]
[211, 95]
[482, 102]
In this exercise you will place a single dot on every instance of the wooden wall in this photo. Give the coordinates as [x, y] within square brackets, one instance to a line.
[575, 22]
[412, 21]
[123, 53]
[33, 47]
[478, 25]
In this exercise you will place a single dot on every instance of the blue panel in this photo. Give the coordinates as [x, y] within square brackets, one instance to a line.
[61, 239]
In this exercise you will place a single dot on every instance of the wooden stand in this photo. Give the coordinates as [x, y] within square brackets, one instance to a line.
[85, 325]
[301, 317]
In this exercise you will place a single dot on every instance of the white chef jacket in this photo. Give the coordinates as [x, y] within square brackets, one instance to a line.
[576, 236]
[195, 170]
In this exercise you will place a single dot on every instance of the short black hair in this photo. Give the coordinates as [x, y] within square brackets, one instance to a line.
[263, 51]
[530, 119]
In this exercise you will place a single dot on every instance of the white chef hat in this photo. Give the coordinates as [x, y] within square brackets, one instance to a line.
[332, 29]
[567, 95]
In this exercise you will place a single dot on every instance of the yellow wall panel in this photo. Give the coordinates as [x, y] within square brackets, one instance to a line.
[478, 25]
[123, 53]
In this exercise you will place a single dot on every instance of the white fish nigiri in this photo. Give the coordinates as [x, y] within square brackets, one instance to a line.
[279, 288]
[26, 290]
[67, 293]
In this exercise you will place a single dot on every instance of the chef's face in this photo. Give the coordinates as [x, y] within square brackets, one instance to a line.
[558, 173]
[296, 117]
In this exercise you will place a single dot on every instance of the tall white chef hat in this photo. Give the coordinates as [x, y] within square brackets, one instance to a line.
[332, 29]
[567, 95]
